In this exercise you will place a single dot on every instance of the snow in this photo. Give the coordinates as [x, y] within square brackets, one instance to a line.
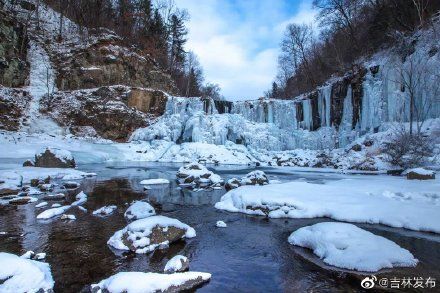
[195, 174]
[68, 217]
[374, 200]
[139, 231]
[28, 173]
[139, 210]
[154, 181]
[41, 204]
[105, 210]
[55, 205]
[62, 154]
[420, 171]
[81, 198]
[24, 275]
[53, 212]
[346, 246]
[137, 282]
[221, 224]
[175, 264]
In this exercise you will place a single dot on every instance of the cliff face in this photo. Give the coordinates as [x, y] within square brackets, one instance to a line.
[105, 62]
[14, 69]
[108, 112]
[73, 80]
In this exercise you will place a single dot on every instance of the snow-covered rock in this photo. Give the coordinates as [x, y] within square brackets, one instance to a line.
[54, 158]
[58, 196]
[41, 204]
[373, 200]
[24, 275]
[71, 184]
[139, 210]
[105, 210]
[419, 174]
[80, 199]
[55, 205]
[146, 235]
[346, 246]
[197, 175]
[68, 217]
[154, 181]
[178, 263]
[34, 256]
[135, 282]
[221, 224]
[53, 212]
[256, 177]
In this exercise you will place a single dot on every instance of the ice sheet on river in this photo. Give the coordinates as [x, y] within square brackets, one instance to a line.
[391, 201]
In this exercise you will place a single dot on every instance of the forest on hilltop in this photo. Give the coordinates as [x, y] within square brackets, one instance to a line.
[347, 31]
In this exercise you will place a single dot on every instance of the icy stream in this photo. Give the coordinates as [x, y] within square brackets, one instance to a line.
[250, 255]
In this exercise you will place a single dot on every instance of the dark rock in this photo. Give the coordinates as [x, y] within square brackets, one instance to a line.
[368, 143]
[7, 190]
[20, 200]
[35, 182]
[71, 185]
[416, 174]
[58, 196]
[49, 159]
[396, 172]
[232, 183]
[28, 163]
[356, 148]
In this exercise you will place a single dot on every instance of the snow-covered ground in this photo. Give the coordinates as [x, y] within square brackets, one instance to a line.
[391, 201]
[347, 246]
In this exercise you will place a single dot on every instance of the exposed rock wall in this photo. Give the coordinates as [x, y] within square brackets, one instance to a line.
[13, 105]
[107, 62]
[112, 112]
[14, 69]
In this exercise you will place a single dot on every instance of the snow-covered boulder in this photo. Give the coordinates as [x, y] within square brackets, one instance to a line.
[67, 217]
[20, 200]
[154, 181]
[54, 158]
[80, 199]
[10, 183]
[24, 275]
[419, 174]
[105, 210]
[197, 175]
[221, 224]
[346, 246]
[139, 210]
[28, 163]
[133, 282]
[53, 212]
[146, 235]
[58, 196]
[71, 184]
[178, 263]
[256, 177]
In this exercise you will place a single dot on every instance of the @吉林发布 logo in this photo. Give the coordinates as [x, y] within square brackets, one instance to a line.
[368, 282]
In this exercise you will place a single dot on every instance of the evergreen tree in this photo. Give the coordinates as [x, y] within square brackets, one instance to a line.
[178, 39]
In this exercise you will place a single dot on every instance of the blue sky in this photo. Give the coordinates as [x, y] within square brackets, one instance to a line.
[237, 41]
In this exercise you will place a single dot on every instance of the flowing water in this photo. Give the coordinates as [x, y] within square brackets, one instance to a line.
[250, 255]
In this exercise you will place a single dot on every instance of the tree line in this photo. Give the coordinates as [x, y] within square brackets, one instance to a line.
[157, 29]
[347, 30]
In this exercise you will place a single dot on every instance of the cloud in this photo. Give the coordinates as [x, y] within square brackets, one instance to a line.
[237, 42]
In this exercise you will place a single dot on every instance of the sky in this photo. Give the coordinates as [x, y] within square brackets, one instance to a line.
[237, 41]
